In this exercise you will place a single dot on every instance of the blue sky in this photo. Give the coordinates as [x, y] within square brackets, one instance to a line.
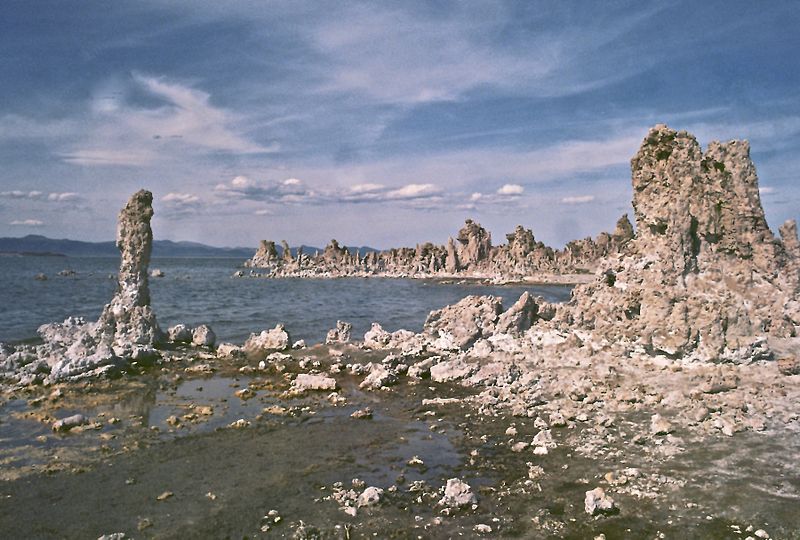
[377, 123]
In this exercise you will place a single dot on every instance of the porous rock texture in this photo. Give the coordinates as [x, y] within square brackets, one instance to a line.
[126, 330]
[704, 277]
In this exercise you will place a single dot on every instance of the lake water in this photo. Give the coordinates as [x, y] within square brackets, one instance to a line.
[196, 291]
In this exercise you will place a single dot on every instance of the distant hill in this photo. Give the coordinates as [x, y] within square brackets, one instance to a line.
[34, 244]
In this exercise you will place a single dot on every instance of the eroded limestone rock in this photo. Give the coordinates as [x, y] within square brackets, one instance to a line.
[704, 277]
[126, 330]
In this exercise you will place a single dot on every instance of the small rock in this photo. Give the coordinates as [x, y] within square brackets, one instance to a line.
[519, 446]
[379, 376]
[66, 424]
[164, 496]
[305, 382]
[659, 426]
[597, 502]
[482, 528]
[362, 414]
[228, 350]
[457, 494]
[370, 497]
[156, 272]
[245, 393]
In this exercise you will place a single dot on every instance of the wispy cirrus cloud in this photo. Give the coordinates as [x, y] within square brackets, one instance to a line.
[182, 122]
[412, 54]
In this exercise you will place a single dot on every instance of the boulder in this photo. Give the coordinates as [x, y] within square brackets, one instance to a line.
[66, 424]
[180, 333]
[258, 346]
[457, 494]
[452, 370]
[340, 334]
[203, 336]
[467, 321]
[370, 497]
[228, 350]
[378, 377]
[597, 502]
[376, 337]
[519, 317]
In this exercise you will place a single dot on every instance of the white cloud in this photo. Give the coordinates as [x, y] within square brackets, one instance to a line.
[242, 182]
[413, 191]
[263, 212]
[578, 199]
[181, 198]
[366, 188]
[18, 194]
[39, 196]
[243, 187]
[179, 204]
[766, 190]
[511, 189]
[27, 222]
[61, 197]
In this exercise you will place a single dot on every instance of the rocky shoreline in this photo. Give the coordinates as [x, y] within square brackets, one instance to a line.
[680, 351]
[470, 255]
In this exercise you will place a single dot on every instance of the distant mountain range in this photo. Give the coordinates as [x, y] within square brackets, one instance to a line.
[35, 244]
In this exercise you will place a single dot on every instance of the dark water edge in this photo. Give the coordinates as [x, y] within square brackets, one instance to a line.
[197, 291]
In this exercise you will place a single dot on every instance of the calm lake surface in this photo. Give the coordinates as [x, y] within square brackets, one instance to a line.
[196, 291]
